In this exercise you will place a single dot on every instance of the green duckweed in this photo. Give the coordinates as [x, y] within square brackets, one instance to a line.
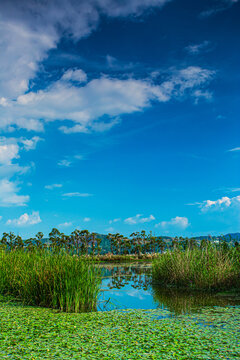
[39, 333]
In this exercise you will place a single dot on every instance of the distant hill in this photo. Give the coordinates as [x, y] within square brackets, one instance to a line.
[228, 237]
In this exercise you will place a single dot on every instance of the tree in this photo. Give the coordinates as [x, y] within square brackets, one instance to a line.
[55, 239]
[161, 244]
[98, 240]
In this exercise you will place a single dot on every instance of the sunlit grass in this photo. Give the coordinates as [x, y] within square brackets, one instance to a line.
[210, 268]
[55, 280]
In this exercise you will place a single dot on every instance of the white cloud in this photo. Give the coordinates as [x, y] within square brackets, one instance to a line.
[77, 194]
[87, 219]
[177, 223]
[197, 48]
[8, 152]
[113, 97]
[114, 220]
[202, 94]
[220, 204]
[30, 144]
[9, 194]
[138, 219]
[65, 224]
[65, 163]
[70, 160]
[26, 219]
[29, 29]
[234, 149]
[53, 186]
[77, 75]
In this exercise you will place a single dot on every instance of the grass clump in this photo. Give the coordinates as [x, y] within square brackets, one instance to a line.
[209, 268]
[55, 280]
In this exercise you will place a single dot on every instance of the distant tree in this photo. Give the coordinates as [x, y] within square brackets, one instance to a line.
[55, 239]
[93, 241]
[76, 241]
[30, 244]
[98, 240]
[160, 243]
[8, 240]
[38, 241]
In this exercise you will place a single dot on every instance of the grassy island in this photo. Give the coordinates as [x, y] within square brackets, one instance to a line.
[210, 267]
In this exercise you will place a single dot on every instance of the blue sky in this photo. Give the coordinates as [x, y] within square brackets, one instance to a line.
[118, 116]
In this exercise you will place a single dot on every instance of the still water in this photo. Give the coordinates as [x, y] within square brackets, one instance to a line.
[128, 286]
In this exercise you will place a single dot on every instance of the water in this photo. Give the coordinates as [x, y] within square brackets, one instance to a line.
[128, 286]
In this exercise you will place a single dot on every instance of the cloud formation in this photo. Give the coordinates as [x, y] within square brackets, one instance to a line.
[65, 101]
[220, 204]
[10, 149]
[9, 194]
[26, 219]
[30, 28]
[138, 219]
[177, 223]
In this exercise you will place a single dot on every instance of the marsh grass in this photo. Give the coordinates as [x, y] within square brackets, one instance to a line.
[55, 280]
[210, 268]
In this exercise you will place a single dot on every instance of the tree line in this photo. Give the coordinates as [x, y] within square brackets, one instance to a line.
[83, 242]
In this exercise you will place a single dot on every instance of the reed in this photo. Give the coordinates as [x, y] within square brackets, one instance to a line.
[209, 268]
[55, 280]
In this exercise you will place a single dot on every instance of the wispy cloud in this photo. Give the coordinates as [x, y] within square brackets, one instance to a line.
[65, 224]
[26, 219]
[220, 6]
[65, 163]
[114, 220]
[138, 219]
[53, 186]
[87, 219]
[77, 194]
[195, 49]
[70, 160]
[234, 149]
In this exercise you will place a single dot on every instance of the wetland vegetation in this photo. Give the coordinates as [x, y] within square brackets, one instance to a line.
[67, 277]
[211, 267]
[50, 279]
[31, 333]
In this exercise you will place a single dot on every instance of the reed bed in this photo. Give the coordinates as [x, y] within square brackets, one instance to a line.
[55, 280]
[209, 268]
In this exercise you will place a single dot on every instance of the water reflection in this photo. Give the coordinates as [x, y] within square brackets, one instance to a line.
[138, 275]
[182, 302]
[128, 286]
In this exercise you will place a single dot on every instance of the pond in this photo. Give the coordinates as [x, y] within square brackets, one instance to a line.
[128, 286]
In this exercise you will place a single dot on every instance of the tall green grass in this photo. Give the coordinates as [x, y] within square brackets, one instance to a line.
[210, 268]
[56, 280]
